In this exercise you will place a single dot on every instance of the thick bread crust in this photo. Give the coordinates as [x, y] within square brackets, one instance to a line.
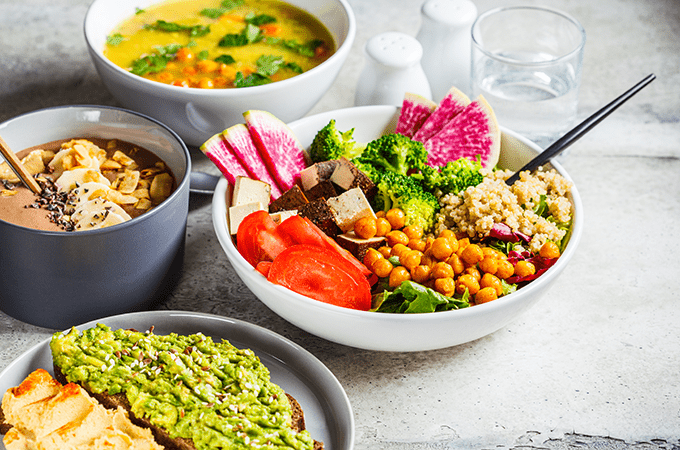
[4, 426]
[162, 437]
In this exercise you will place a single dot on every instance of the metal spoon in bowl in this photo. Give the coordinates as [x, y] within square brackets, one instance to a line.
[575, 134]
[19, 168]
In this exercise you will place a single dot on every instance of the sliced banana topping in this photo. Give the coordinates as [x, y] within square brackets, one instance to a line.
[71, 179]
[98, 213]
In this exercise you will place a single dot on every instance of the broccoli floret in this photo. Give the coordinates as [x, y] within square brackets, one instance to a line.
[454, 177]
[329, 144]
[396, 153]
[404, 192]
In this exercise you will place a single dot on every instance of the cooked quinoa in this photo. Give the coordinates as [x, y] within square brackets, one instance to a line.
[478, 208]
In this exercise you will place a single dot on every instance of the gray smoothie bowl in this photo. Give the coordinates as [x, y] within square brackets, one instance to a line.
[57, 279]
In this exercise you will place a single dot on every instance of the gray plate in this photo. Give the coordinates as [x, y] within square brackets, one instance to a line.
[328, 413]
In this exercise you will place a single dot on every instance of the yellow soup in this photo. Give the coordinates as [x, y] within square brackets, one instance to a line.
[213, 44]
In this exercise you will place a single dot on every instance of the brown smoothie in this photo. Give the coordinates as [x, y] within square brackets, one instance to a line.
[24, 208]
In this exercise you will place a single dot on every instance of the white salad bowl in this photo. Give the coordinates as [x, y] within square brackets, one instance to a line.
[197, 114]
[383, 331]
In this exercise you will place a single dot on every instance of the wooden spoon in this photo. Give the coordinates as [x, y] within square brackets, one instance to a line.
[575, 134]
[19, 168]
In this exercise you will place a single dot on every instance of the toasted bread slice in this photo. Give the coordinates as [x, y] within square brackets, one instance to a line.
[161, 435]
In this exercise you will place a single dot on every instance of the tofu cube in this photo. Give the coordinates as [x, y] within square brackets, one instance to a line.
[247, 190]
[280, 216]
[238, 213]
[349, 207]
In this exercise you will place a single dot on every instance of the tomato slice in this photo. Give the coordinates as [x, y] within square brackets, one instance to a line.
[321, 274]
[258, 238]
[263, 267]
[303, 231]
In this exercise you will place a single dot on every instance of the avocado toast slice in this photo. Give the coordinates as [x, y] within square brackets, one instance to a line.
[192, 392]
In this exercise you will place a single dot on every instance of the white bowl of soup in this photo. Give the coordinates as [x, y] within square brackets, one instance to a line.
[196, 65]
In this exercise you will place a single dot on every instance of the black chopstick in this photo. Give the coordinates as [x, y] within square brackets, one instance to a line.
[579, 130]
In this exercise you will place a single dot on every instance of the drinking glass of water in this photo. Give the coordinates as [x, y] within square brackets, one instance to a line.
[526, 62]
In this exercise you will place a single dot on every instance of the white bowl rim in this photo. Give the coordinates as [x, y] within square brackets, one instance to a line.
[143, 217]
[167, 89]
[219, 218]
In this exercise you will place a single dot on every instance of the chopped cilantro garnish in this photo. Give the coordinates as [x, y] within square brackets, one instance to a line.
[203, 55]
[225, 7]
[254, 79]
[225, 59]
[267, 65]
[155, 62]
[248, 35]
[115, 39]
[306, 49]
[259, 19]
[194, 30]
[139, 10]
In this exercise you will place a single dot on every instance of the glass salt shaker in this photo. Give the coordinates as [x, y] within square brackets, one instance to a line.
[392, 68]
[445, 37]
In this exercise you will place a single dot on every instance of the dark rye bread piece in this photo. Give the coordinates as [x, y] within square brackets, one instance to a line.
[162, 437]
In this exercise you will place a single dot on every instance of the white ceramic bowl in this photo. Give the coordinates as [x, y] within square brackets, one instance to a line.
[393, 332]
[54, 278]
[197, 114]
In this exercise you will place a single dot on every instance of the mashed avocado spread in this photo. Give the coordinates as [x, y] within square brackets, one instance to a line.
[213, 393]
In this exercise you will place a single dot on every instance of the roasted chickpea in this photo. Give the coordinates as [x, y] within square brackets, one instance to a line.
[549, 250]
[399, 250]
[421, 273]
[380, 214]
[382, 268]
[472, 254]
[387, 251]
[524, 269]
[442, 270]
[366, 227]
[395, 237]
[490, 252]
[467, 281]
[441, 248]
[505, 269]
[474, 272]
[411, 259]
[445, 286]
[491, 281]
[428, 260]
[462, 243]
[382, 226]
[396, 217]
[413, 231]
[371, 256]
[417, 244]
[489, 264]
[447, 234]
[398, 275]
[485, 295]
[456, 263]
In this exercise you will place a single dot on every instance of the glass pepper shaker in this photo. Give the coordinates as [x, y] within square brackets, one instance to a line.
[392, 68]
[445, 37]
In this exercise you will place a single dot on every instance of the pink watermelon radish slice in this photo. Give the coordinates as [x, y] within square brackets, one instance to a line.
[219, 152]
[241, 143]
[474, 131]
[278, 146]
[415, 109]
[452, 104]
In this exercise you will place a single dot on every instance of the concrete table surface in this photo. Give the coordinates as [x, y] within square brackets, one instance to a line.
[595, 364]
